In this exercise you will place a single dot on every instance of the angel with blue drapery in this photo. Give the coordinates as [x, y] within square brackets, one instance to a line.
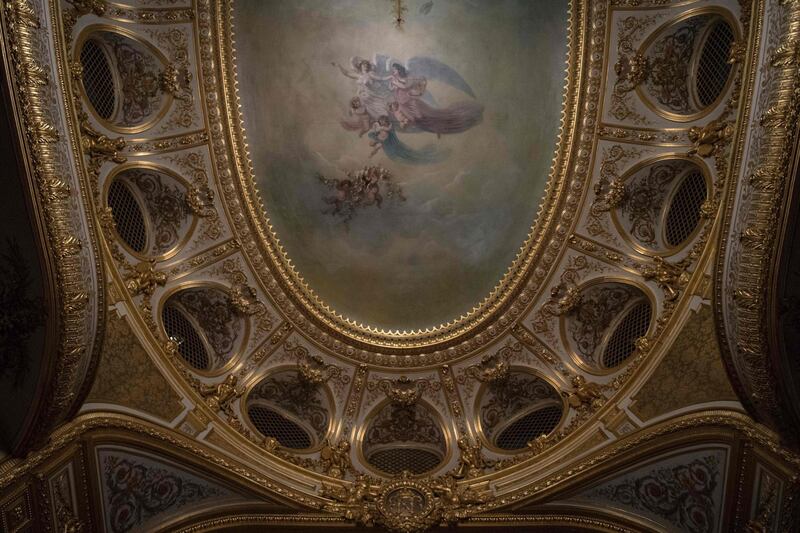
[394, 98]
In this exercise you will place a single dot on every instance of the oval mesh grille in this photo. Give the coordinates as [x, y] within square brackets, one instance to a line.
[713, 68]
[272, 424]
[98, 82]
[684, 211]
[180, 330]
[538, 422]
[396, 460]
[622, 342]
[128, 217]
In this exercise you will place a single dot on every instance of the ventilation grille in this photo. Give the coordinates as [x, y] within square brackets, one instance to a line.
[128, 217]
[396, 460]
[520, 433]
[684, 211]
[713, 68]
[98, 82]
[180, 330]
[622, 342]
[272, 424]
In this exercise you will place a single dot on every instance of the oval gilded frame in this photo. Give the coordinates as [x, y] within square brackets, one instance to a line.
[667, 251]
[282, 369]
[599, 370]
[86, 34]
[144, 165]
[501, 307]
[237, 354]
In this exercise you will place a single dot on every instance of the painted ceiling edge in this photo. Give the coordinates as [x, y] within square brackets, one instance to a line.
[70, 252]
[286, 329]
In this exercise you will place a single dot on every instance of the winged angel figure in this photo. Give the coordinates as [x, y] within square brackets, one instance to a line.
[393, 98]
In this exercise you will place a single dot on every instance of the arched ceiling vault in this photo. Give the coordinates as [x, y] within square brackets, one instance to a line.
[322, 309]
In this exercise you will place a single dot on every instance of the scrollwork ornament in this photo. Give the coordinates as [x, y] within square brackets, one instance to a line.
[312, 369]
[65, 515]
[403, 390]
[244, 299]
[631, 68]
[494, 366]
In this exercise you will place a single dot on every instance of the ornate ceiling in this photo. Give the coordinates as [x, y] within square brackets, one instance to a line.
[317, 264]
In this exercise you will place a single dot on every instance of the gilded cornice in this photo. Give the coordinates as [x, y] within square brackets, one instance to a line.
[708, 427]
[78, 299]
[753, 213]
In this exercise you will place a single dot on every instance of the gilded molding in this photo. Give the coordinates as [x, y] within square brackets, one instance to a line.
[79, 298]
[753, 212]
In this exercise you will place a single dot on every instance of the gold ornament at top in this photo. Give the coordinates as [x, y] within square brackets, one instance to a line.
[404, 391]
[244, 299]
[313, 369]
[539, 444]
[200, 200]
[491, 368]
[737, 52]
[175, 81]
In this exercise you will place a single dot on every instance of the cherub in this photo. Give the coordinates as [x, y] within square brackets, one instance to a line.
[359, 117]
[381, 130]
[371, 186]
[220, 396]
[336, 459]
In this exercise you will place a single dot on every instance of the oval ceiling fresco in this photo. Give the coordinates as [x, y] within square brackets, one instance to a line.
[401, 148]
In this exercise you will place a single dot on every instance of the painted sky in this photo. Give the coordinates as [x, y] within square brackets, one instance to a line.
[427, 260]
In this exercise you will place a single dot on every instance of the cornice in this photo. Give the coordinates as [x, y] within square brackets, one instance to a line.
[78, 302]
[753, 213]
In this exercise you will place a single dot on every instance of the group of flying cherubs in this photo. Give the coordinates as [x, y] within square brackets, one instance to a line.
[392, 98]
